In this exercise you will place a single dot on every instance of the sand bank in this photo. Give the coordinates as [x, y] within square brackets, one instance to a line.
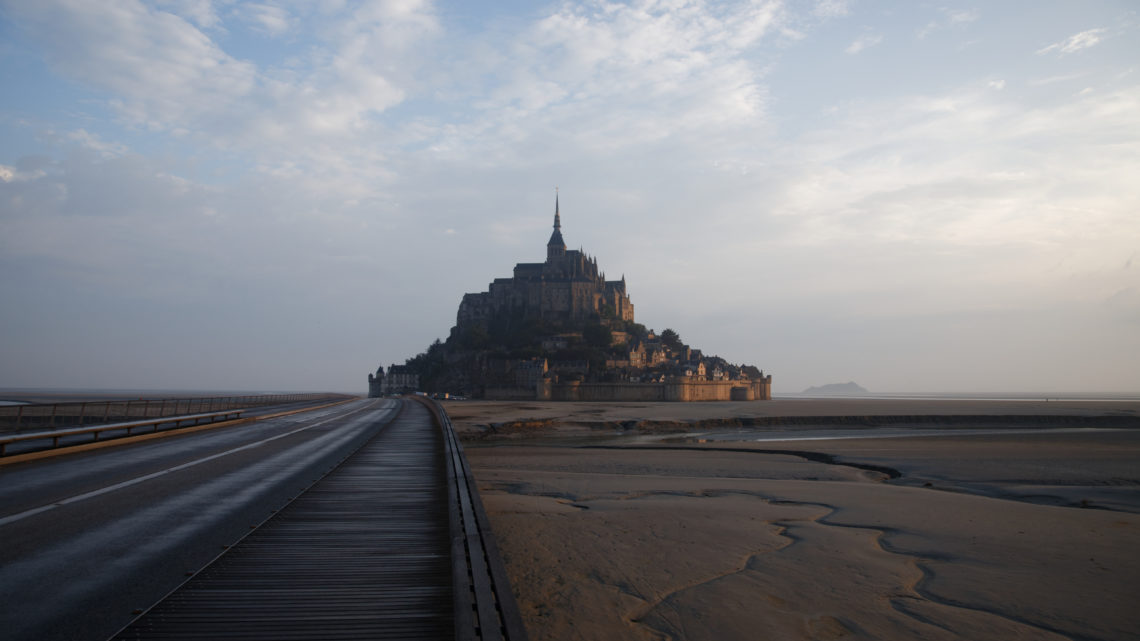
[977, 539]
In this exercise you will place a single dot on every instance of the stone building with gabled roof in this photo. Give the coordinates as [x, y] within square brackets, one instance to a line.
[400, 379]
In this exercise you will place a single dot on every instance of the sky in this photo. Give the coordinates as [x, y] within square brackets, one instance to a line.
[284, 195]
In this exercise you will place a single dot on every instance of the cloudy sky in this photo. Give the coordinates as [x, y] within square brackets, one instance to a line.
[917, 196]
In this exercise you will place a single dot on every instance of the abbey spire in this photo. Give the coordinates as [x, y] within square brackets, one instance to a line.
[556, 247]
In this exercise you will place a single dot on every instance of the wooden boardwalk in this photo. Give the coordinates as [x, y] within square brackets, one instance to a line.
[367, 553]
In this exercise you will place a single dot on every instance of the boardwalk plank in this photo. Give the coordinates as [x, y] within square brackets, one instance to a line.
[365, 553]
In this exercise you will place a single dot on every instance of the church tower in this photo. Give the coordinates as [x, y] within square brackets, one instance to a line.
[556, 247]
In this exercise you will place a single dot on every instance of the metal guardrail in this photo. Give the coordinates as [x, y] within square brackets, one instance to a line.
[56, 435]
[485, 607]
[51, 415]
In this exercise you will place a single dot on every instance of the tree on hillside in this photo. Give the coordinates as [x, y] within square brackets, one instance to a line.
[670, 339]
[429, 365]
[636, 329]
[597, 336]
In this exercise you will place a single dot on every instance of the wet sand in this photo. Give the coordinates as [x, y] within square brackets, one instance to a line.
[1029, 534]
[498, 419]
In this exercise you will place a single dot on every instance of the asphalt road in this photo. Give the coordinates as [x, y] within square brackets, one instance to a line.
[22, 447]
[88, 539]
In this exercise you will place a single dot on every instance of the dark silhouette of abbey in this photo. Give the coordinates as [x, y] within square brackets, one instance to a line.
[558, 330]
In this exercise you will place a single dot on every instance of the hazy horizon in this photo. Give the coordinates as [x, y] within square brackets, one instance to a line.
[9, 395]
[207, 194]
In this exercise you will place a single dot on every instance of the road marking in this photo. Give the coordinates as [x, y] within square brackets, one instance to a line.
[135, 481]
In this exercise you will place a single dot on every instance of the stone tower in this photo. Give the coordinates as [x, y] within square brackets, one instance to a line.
[556, 247]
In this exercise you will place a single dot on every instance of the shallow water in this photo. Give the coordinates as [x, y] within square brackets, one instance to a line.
[1094, 468]
[755, 436]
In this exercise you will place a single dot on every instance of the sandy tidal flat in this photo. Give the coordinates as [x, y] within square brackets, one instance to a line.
[642, 541]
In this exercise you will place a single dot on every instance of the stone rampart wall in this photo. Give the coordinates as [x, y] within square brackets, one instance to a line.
[621, 392]
[508, 394]
[672, 390]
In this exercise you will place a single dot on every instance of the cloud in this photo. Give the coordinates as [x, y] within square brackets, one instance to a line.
[271, 20]
[969, 167]
[961, 17]
[373, 134]
[928, 211]
[161, 68]
[1074, 43]
[606, 77]
[1049, 80]
[18, 174]
[163, 73]
[200, 12]
[95, 143]
[950, 18]
[863, 42]
[831, 8]
[595, 76]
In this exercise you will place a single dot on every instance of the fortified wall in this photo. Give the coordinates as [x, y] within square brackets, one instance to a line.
[676, 389]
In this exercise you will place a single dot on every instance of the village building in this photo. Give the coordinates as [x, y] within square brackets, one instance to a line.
[400, 379]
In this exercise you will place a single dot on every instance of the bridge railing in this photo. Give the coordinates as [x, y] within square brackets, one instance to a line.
[56, 437]
[40, 416]
[485, 607]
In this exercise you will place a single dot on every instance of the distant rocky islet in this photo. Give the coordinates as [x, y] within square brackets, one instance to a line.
[849, 388]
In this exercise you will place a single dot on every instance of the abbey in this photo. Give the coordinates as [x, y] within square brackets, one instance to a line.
[558, 330]
[567, 287]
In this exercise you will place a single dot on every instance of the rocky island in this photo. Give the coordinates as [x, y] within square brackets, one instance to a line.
[559, 330]
[849, 388]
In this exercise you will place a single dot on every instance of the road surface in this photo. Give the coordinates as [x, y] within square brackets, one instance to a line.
[89, 539]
